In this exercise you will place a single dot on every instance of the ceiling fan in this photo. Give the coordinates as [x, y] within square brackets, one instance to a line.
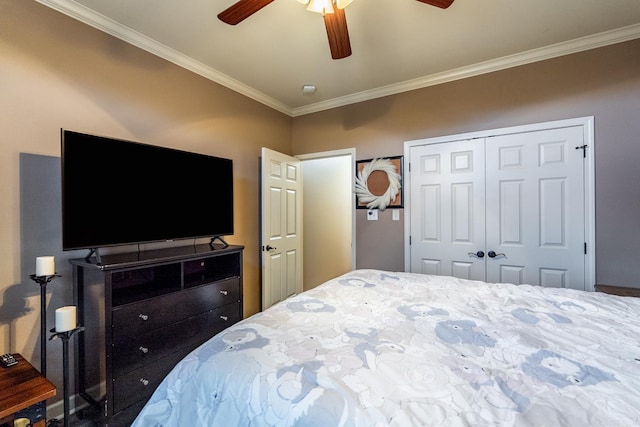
[332, 10]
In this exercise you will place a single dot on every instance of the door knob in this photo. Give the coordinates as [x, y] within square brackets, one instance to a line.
[478, 254]
[270, 248]
[492, 254]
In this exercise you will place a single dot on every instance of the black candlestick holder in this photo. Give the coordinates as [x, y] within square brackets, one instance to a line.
[65, 336]
[43, 281]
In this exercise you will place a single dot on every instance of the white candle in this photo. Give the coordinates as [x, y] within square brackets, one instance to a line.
[66, 318]
[45, 266]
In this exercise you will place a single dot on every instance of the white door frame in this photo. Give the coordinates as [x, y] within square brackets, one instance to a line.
[587, 124]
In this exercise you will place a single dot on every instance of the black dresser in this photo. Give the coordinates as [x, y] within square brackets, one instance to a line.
[142, 313]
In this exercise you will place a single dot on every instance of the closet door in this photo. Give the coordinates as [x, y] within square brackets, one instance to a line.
[516, 198]
[447, 209]
[535, 218]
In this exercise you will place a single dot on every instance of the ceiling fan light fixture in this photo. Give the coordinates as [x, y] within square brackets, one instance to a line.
[335, 21]
[320, 6]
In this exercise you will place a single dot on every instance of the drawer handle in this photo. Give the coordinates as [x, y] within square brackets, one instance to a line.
[143, 316]
[224, 292]
[145, 350]
[144, 381]
[225, 318]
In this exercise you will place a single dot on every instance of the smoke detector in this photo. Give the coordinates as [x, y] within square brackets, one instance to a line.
[309, 89]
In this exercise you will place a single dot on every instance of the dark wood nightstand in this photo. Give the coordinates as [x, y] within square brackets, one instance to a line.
[618, 290]
[22, 387]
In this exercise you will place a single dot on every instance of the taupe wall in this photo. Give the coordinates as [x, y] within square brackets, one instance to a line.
[58, 73]
[604, 83]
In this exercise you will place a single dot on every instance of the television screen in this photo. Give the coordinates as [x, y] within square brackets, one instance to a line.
[117, 192]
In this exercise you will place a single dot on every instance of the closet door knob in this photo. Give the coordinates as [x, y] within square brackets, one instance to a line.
[478, 254]
[492, 254]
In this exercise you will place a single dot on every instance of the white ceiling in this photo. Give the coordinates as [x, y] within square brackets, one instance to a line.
[397, 45]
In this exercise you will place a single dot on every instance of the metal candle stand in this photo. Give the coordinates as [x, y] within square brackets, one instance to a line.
[64, 336]
[43, 281]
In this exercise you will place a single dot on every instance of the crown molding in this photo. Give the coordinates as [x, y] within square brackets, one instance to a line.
[553, 51]
[109, 26]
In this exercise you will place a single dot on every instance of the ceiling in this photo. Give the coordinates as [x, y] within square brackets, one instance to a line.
[398, 45]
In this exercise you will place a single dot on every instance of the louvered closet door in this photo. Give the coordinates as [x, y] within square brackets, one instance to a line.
[535, 208]
[447, 209]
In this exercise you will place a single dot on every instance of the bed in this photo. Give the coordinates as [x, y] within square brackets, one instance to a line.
[376, 348]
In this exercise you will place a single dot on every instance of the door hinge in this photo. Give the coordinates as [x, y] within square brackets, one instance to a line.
[585, 248]
[583, 148]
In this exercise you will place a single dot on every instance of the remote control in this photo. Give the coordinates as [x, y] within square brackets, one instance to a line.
[8, 360]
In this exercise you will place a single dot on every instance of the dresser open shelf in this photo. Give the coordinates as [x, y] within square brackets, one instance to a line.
[142, 313]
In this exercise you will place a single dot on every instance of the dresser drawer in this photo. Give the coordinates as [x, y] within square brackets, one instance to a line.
[135, 319]
[141, 383]
[138, 351]
[126, 417]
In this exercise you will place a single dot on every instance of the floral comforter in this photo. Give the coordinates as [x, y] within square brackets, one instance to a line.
[375, 348]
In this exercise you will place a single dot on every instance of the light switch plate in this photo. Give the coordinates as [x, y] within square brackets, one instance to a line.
[372, 215]
[395, 215]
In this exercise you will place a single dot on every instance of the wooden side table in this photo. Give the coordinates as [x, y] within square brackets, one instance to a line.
[619, 290]
[21, 387]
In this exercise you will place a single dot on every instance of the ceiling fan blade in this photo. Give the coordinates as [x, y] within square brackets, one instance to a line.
[443, 4]
[338, 34]
[241, 10]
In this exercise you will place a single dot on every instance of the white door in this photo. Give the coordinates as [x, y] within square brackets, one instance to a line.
[281, 225]
[524, 190]
[535, 208]
[447, 209]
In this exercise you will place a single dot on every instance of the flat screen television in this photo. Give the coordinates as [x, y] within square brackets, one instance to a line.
[117, 192]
